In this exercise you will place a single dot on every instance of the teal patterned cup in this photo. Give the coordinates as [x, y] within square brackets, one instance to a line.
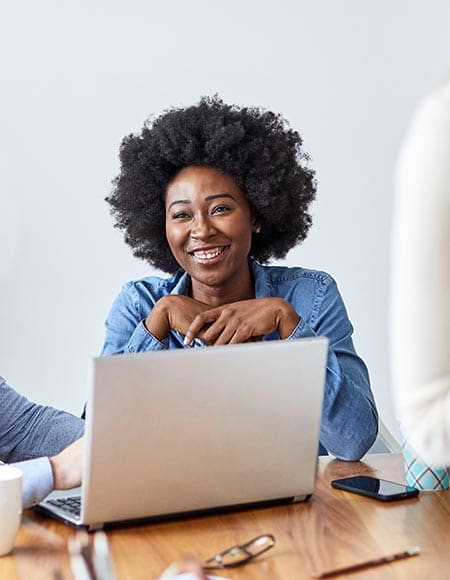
[421, 475]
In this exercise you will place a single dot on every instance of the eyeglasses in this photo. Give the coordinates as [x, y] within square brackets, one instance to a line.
[241, 554]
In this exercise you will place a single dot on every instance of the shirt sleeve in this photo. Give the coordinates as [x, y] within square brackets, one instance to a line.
[349, 416]
[28, 430]
[37, 481]
[125, 331]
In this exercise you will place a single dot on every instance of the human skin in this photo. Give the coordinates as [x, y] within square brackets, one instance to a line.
[187, 564]
[67, 466]
[209, 229]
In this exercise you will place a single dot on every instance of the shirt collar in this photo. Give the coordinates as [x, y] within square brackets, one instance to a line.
[183, 285]
[263, 286]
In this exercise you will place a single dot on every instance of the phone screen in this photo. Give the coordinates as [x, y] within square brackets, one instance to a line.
[374, 487]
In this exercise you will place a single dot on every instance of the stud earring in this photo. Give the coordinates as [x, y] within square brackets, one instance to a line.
[257, 229]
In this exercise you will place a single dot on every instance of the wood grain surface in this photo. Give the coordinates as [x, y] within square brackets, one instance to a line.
[333, 529]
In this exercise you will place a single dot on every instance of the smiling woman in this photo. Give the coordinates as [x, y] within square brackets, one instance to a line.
[209, 194]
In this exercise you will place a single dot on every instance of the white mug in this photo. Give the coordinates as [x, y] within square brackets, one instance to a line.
[10, 506]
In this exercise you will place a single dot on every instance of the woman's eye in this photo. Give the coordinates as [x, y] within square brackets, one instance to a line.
[180, 215]
[220, 209]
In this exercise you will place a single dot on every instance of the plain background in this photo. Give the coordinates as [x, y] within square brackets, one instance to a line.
[77, 77]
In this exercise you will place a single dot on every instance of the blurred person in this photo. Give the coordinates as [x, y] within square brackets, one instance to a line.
[188, 567]
[420, 304]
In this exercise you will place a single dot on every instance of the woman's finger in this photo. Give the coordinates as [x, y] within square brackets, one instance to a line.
[198, 323]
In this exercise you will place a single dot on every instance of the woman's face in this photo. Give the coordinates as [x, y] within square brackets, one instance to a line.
[209, 227]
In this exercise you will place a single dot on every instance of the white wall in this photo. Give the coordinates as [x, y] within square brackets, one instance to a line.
[77, 76]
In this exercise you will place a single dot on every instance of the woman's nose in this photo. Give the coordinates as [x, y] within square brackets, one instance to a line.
[202, 227]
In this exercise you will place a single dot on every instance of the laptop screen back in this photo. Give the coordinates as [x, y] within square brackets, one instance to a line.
[183, 430]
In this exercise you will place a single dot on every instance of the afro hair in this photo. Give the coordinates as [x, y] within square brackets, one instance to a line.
[255, 147]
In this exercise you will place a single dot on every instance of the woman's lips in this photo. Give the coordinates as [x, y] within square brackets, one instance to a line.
[209, 255]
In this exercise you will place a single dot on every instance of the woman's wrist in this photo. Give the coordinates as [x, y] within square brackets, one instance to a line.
[157, 321]
[288, 320]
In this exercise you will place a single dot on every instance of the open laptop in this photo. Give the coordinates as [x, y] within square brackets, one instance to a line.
[180, 432]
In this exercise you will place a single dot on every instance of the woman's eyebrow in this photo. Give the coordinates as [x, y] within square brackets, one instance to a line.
[218, 195]
[183, 201]
[207, 198]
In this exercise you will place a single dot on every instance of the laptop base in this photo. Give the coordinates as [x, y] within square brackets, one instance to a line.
[49, 509]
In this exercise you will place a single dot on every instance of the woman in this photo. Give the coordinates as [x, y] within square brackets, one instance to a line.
[208, 194]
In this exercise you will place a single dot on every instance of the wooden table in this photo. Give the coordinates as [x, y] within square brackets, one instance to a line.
[332, 529]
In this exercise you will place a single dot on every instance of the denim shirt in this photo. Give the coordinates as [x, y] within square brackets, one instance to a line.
[349, 416]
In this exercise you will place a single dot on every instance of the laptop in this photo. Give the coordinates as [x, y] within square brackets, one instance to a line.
[185, 432]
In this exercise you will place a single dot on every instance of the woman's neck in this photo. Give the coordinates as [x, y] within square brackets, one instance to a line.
[243, 289]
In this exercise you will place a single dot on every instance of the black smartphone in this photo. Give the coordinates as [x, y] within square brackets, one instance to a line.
[376, 488]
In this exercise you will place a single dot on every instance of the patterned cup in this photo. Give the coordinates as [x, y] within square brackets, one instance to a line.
[421, 475]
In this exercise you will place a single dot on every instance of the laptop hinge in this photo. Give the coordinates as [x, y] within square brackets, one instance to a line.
[298, 498]
[95, 527]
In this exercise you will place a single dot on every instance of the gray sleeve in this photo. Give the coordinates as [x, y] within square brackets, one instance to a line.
[37, 480]
[28, 430]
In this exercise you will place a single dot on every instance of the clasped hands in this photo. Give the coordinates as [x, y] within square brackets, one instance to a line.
[236, 322]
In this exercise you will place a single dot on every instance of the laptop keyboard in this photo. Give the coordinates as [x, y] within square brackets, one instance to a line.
[71, 505]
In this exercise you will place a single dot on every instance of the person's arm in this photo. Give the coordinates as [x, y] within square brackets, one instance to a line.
[42, 475]
[67, 466]
[125, 329]
[28, 430]
[137, 325]
[37, 480]
[349, 416]
[420, 306]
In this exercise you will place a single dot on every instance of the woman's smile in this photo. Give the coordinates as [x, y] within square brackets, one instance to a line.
[209, 255]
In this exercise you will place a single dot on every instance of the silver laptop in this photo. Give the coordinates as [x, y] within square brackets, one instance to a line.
[182, 432]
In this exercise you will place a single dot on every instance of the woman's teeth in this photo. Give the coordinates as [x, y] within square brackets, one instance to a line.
[208, 254]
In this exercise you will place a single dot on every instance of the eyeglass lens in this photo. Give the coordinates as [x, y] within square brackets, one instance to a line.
[259, 544]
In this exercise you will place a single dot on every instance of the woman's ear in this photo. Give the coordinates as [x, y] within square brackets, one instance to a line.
[256, 226]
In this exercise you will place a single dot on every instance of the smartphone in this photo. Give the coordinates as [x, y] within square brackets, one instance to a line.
[376, 488]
